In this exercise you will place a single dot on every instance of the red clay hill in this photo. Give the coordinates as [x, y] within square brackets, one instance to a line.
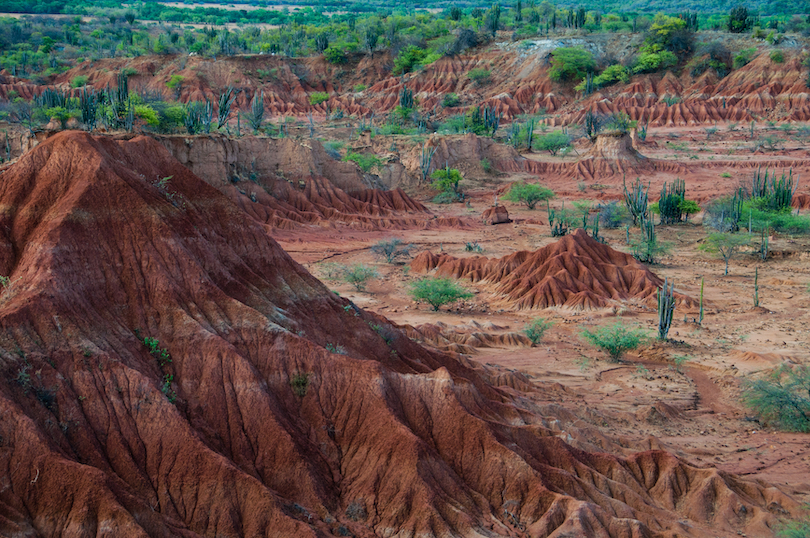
[575, 272]
[251, 426]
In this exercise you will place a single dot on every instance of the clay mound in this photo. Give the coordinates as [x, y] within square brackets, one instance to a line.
[101, 437]
[575, 272]
[465, 338]
[496, 215]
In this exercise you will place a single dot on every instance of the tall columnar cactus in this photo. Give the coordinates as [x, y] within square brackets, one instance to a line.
[636, 200]
[257, 111]
[756, 287]
[88, 103]
[700, 318]
[206, 116]
[669, 205]
[425, 160]
[226, 99]
[406, 98]
[666, 309]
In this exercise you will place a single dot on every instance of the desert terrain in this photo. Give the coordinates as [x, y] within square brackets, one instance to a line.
[182, 354]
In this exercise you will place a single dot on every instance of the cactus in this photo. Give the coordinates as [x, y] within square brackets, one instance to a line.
[88, 103]
[763, 244]
[666, 308]
[756, 287]
[129, 118]
[641, 132]
[636, 200]
[311, 125]
[406, 98]
[207, 116]
[700, 318]
[561, 227]
[425, 160]
[226, 100]
[669, 205]
[192, 117]
[257, 111]
[593, 124]
[529, 134]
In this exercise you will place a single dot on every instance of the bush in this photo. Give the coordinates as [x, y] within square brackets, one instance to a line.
[616, 339]
[535, 329]
[438, 291]
[611, 215]
[316, 98]
[570, 64]
[335, 56]
[725, 244]
[299, 383]
[777, 57]
[782, 399]
[147, 114]
[391, 249]
[612, 74]
[78, 81]
[479, 75]
[528, 194]
[450, 100]
[651, 60]
[409, 59]
[365, 162]
[446, 180]
[744, 57]
[552, 142]
[794, 529]
[358, 275]
[174, 81]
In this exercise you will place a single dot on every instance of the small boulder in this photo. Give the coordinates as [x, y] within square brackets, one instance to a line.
[496, 215]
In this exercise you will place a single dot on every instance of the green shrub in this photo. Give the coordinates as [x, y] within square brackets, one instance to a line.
[725, 244]
[552, 142]
[391, 249]
[794, 529]
[147, 114]
[651, 60]
[358, 275]
[535, 329]
[409, 59]
[782, 399]
[777, 57]
[335, 56]
[78, 81]
[365, 162]
[299, 382]
[616, 339]
[438, 291]
[316, 98]
[528, 194]
[174, 81]
[479, 75]
[570, 64]
[743, 57]
[360, 87]
[446, 180]
[450, 100]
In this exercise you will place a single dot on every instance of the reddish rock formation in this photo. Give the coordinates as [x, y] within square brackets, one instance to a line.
[575, 272]
[253, 428]
[496, 215]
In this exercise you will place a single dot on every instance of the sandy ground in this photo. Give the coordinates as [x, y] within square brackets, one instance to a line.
[683, 395]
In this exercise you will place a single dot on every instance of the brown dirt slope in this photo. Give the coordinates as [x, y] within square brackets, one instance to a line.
[383, 438]
[575, 272]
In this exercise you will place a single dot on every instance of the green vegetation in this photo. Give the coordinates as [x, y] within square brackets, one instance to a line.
[446, 180]
[535, 329]
[78, 81]
[438, 291]
[783, 398]
[570, 64]
[358, 275]
[777, 57]
[528, 194]
[161, 354]
[364, 161]
[479, 75]
[616, 339]
[316, 98]
[299, 382]
[553, 142]
[391, 249]
[725, 244]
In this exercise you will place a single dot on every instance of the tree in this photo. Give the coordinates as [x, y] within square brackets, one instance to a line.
[739, 20]
[570, 64]
[535, 329]
[438, 291]
[553, 142]
[391, 249]
[528, 194]
[783, 398]
[725, 244]
[358, 275]
[688, 207]
[616, 339]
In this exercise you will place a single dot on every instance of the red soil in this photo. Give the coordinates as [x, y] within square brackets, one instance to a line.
[576, 272]
[389, 438]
